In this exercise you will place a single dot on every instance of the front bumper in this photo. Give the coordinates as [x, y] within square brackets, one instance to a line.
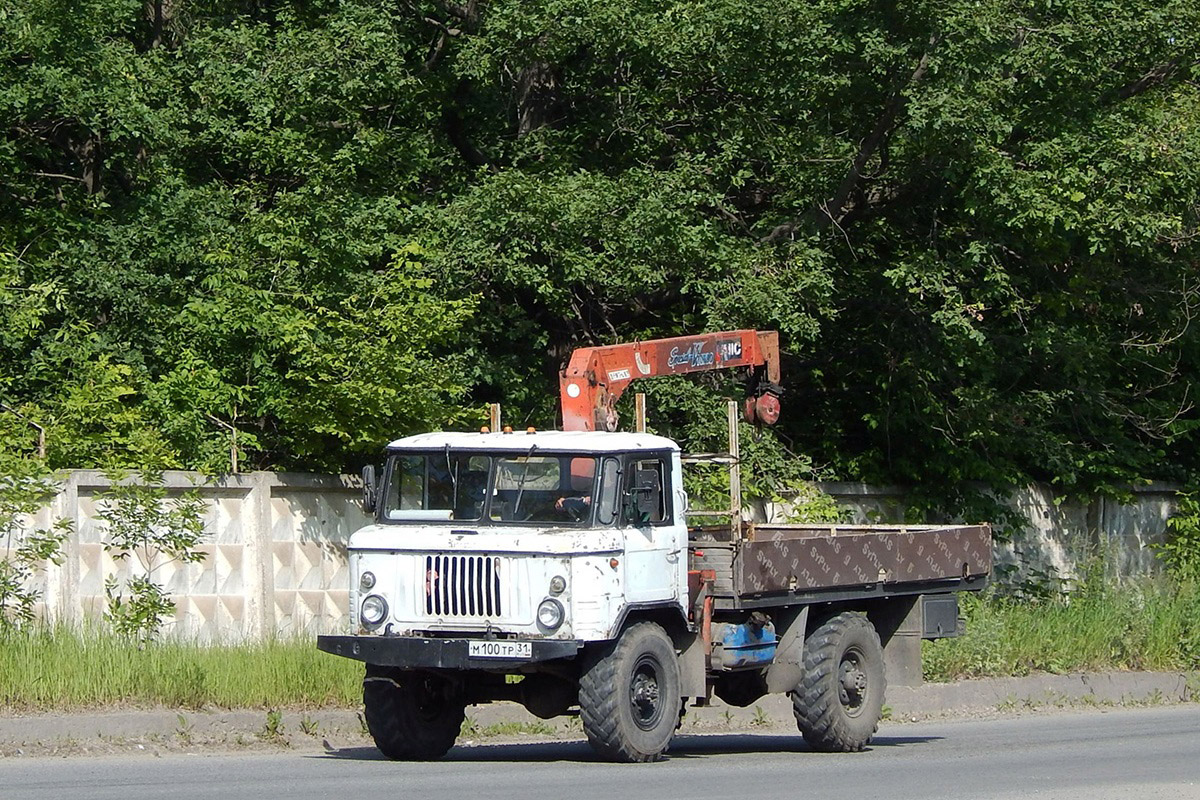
[418, 652]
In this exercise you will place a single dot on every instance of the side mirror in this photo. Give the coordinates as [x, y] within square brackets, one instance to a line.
[648, 500]
[370, 489]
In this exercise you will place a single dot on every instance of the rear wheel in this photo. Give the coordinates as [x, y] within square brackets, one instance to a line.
[839, 702]
[629, 698]
[410, 715]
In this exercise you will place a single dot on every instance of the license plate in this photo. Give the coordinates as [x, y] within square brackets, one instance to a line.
[500, 649]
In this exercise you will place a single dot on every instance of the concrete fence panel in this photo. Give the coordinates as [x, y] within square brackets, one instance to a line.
[274, 555]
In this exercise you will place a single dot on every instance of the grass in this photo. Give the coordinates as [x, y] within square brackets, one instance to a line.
[535, 728]
[63, 669]
[1151, 625]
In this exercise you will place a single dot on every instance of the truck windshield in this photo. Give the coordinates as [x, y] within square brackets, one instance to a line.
[491, 488]
[437, 486]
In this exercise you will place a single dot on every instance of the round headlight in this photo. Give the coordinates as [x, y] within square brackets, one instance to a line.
[550, 614]
[374, 610]
[366, 581]
[558, 585]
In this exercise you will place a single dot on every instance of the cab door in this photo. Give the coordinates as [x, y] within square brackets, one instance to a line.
[655, 534]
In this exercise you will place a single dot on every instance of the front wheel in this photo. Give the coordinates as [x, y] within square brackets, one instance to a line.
[411, 715]
[839, 702]
[629, 695]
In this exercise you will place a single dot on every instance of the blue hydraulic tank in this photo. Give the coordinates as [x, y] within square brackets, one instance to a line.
[738, 646]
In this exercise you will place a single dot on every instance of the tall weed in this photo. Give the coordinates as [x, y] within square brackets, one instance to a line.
[1148, 625]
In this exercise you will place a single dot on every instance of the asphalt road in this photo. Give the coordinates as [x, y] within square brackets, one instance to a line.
[1132, 754]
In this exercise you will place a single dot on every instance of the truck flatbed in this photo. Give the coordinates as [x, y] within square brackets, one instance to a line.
[805, 563]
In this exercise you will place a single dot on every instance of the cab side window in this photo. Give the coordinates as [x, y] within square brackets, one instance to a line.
[648, 492]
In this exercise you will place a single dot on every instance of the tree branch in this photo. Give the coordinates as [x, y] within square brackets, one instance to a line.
[60, 176]
[453, 123]
[1156, 76]
[468, 13]
[831, 211]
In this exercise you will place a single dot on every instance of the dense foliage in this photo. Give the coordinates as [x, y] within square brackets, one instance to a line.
[296, 229]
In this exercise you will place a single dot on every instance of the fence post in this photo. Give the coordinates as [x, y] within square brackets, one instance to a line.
[259, 550]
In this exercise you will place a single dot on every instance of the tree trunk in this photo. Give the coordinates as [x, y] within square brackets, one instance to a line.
[537, 97]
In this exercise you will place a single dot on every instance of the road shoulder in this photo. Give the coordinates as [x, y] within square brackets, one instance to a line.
[159, 731]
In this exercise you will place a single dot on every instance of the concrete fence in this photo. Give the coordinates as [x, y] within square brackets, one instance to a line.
[275, 547]
[275, 555]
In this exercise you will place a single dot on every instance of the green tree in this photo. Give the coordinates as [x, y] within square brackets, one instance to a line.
[25, 488]
[204, 235]
[144, 524]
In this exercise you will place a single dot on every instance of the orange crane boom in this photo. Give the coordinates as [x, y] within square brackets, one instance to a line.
[596, 377]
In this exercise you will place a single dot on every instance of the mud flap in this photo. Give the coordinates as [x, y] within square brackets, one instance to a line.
[692, 679]
[787, 669]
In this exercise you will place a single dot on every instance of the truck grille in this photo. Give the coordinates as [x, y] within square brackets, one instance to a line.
[462, 586]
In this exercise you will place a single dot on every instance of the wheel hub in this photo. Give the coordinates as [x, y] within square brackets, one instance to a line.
[853, 684]
[644, 695]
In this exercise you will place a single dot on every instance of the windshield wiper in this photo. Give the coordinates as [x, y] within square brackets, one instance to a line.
[521, 485]
[453, 477]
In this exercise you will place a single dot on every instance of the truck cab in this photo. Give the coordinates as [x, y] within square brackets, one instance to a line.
[520, 538]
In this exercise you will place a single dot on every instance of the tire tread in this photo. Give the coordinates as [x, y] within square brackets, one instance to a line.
[601, 695]
[816, 703]
[392, 719]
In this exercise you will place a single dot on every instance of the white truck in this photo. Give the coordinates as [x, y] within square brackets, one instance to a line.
[565, 558]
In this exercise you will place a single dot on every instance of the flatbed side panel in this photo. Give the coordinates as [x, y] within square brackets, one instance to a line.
[851, 593]
[775, 531]
[792, 559]
[715, 556]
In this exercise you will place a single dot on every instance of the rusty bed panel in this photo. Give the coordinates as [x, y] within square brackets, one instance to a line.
[804, 558]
